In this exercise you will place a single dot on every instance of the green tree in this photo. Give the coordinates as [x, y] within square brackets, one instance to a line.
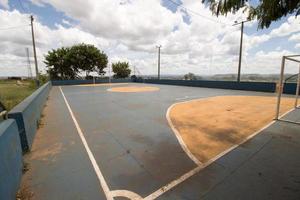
[87, 58]
[68, 62]
[59, 66]
[121, 69]
[266, 11]
[190, 76]
[43, 78]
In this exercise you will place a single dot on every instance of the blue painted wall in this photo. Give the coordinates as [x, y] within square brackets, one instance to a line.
[289, 88]
[27, 115]
[10, 159]
[78, 82]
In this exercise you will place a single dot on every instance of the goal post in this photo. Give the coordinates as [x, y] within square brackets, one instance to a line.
[294, 58]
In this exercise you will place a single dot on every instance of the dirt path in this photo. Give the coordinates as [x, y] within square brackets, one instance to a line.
[212, 125]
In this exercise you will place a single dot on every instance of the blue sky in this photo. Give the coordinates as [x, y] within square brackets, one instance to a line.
[130, 29]
[47, 14]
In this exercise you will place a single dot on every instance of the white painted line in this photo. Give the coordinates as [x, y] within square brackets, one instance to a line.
[89, 152]
[131, 195]
[126, 193]
[179, 138]
[172, 184]
[201, 166]
[187, 97]
[245, 140]
[181, 98]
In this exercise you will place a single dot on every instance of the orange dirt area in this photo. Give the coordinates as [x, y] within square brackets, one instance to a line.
[102, 84]
[211, 126]
[133, 89]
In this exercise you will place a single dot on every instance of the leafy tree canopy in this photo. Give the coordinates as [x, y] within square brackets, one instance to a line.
[190, 76]
[67, 62]
[87, 58]
[58, 65]
[266, 11]
[121, 69]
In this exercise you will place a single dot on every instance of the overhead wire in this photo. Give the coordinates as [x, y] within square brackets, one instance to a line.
[13, 27]
[196, 13]
[21, 5]
[189, 11]
[17, 26]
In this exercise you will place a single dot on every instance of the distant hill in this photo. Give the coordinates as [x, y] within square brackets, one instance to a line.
[231, 77]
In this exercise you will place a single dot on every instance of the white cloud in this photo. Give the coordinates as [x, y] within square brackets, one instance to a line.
[130, 29]
[4, 4]
[14, 41]
[66, 22]
[287, 28]
[297, 46]
[269, 62]
[295, 37]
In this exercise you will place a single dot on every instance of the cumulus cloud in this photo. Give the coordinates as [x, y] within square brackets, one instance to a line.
[129, 30]
[295, 38]
[14, 41]
[4, 4]
[66, 22]
[287, 28]
[269, 62]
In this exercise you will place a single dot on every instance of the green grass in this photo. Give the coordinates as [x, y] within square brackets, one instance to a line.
[13, 92]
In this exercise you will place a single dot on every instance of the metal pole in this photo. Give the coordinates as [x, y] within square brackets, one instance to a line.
[292, 59]
[109, 73]
[158, 63]
[297, 89]
[28, 63]
[34, 52]
[280, 88]
[240, 56]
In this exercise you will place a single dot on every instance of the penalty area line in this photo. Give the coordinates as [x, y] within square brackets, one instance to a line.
[201, 165]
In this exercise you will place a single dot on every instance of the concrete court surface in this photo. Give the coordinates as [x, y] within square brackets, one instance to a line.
[137, 154]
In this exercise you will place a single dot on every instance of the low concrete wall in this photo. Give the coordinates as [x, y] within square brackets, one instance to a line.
[249, 86]
[10, 160]
[27, 115]
[79, 82]
[289, 88]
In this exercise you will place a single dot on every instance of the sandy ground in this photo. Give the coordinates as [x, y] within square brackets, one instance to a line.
[212, 125]
[133, 89]
[102, 84]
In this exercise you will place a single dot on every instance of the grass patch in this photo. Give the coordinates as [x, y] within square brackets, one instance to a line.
[12, 92]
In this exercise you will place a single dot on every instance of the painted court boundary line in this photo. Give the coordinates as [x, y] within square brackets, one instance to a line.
[108, 193]
[179, 138]
[201, 166]
[89, 152]
[131, 195]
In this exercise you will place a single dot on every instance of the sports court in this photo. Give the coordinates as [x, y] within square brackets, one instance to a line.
[118, 141]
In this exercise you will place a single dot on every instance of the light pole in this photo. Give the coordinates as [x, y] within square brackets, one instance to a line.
[241, 48]
[34, 52]
[158, 62]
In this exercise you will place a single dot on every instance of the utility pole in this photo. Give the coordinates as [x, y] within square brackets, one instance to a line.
[28, 63]
[109, 73]
[158, 62]
[34, 53]
[241, 48]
